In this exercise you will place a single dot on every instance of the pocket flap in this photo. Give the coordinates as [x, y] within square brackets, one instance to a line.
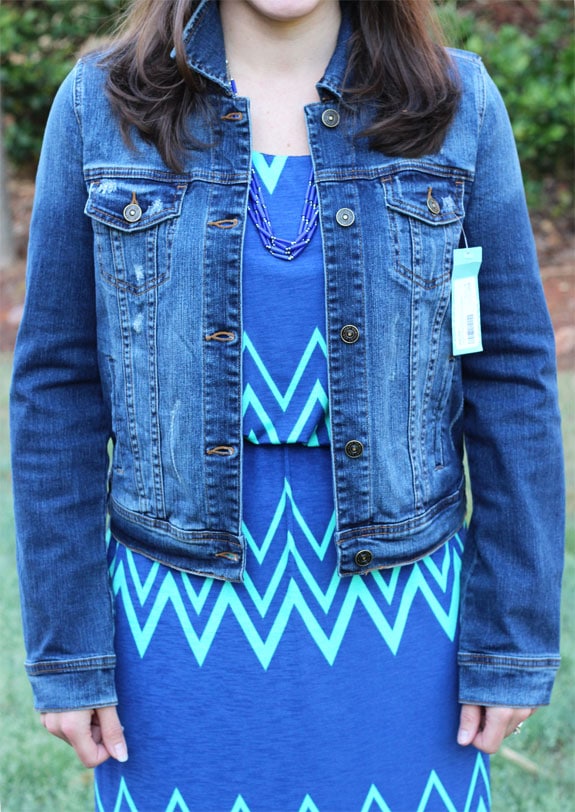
[133, 204]
[434, 199]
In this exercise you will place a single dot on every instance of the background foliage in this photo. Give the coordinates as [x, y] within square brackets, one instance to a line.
[533, 65]
[532, 60]
[40, 41]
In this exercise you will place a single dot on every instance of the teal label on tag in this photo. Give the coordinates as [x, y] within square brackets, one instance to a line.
[465, 312]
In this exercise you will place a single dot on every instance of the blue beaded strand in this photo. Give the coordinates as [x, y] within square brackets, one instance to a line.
[277, 246]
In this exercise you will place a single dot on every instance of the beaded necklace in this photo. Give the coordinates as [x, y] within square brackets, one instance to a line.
[258, 212]
[277, 246]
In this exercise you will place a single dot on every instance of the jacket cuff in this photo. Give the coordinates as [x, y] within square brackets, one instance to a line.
[74, 690]
[515, 682]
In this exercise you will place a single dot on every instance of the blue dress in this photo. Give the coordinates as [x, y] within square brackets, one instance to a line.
[296, 691]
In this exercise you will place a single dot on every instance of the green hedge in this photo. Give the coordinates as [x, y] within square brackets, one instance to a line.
[40, 43]
[536, 76]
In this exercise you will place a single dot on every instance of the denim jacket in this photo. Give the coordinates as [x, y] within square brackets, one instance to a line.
[131, 333]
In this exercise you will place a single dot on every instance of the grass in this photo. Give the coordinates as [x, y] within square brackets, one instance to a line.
[534, 773]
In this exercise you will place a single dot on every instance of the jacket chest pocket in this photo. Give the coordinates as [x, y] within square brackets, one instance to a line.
[134, 221]
[425, 213]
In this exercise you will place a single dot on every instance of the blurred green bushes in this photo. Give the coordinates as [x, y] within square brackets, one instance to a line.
[40, 41]
[534, 69]
[535, 72]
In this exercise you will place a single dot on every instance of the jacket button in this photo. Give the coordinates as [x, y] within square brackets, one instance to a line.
[132, 213]
[349, 334]
[363, 558]
[432, 203]
[330, 118]
[354, 449]
[345, 217]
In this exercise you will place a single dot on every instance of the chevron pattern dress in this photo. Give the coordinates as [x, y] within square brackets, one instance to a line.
[296, 691]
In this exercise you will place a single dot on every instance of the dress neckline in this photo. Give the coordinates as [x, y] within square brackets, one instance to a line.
[269, 156]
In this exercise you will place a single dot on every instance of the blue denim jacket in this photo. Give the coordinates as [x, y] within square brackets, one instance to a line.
[131, 332]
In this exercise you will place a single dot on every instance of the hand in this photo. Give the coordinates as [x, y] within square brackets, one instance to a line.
[95, 734]
[487, 727]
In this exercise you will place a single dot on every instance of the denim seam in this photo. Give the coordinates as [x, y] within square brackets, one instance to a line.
[387, 170]
[399, 528]
[211, 176]
[77, 96]
[186, 536]
[509, 661]
[68, 666]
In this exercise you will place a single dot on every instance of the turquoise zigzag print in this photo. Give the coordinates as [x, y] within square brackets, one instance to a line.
[316, 340]
[326, 610]
[269, 173]
[478, 797]
[306, 394]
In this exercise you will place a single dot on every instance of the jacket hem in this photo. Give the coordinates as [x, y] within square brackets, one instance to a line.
[383, 546]
[215, 554]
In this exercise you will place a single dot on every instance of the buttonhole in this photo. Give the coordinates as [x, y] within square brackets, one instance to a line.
[221, 335]
[229, 556]
[228, 223]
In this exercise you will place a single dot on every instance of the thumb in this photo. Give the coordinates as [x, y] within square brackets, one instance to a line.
[469, 723]
[112, 733]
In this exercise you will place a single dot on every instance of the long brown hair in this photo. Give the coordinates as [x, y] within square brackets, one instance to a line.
[396, 62]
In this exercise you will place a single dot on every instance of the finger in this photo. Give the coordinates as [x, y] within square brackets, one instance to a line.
[51, 721]
[470, 720]
[112, 733]
[75, 728]
[91, 753]
[96, 730]
[517, 719]
[499, 723]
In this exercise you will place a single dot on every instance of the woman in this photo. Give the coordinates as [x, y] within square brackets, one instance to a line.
[289, 608]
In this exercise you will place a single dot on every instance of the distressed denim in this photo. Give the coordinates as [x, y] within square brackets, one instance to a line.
[131, 334]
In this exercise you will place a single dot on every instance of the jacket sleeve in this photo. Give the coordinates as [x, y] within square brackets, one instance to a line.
[513, 561]
[59, 434]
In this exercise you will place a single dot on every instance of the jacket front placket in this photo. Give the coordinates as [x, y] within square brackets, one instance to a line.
[343, 234]
[227, 171]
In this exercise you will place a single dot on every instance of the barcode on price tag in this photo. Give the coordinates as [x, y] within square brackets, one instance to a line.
[465, 311]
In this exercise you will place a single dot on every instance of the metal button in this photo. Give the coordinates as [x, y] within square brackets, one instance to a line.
[349, 334]
[345, 217]
[432, 203]
[354, 449]
[132, 213]
[363, 558]
[330, 118]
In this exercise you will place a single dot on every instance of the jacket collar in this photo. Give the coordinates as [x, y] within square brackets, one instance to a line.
[204, 41]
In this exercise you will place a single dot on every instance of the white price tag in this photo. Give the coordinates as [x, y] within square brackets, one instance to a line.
[465, 310]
